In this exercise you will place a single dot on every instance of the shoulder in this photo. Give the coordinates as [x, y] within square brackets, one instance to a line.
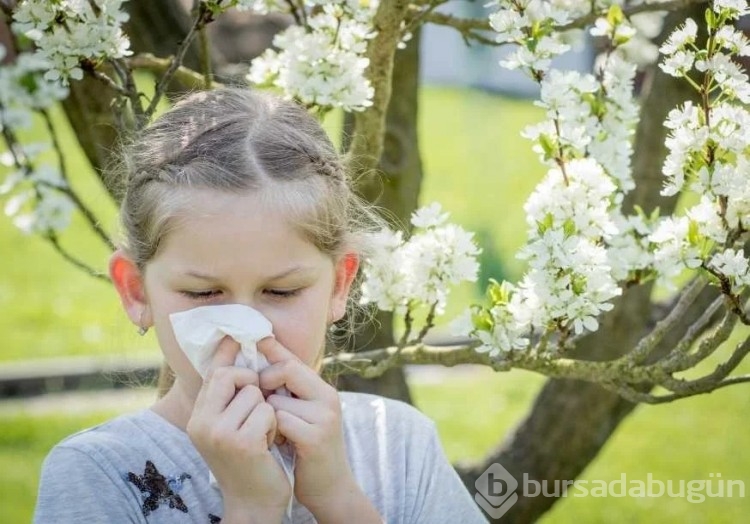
[374, 409]
[369, 418]
[118, 435]
[90, 467]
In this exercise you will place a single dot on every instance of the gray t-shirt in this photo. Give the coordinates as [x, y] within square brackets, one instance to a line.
[140, 468]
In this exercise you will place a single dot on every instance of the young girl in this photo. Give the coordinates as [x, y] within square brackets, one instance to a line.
[234, 197]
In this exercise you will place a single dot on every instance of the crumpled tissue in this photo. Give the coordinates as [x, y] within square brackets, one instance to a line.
[198, 332]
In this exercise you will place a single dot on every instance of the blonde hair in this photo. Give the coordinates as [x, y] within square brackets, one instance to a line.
[234, 140]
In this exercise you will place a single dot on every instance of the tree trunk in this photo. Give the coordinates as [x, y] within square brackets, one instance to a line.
[570, 421]
[398, 191]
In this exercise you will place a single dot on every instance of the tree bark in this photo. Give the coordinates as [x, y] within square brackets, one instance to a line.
[397, 189]
[570, 421]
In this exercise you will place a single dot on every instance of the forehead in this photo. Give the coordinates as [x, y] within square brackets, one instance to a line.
[223, 229]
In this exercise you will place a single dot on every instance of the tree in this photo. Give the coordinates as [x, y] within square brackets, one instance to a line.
[601, 233]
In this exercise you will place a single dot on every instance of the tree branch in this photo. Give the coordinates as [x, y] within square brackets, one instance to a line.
[203, 17]
[125, 73]
[625, 375]
[73, 260]
[646, 344]
[158, 66]
[469, 26]
[369, 125]
[91, 219]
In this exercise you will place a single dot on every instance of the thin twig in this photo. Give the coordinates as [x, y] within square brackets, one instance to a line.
[407, 326]
[73, 260]
[726, 288]
[126, 77]
[646, 344]
[677, 359]
[472, 25]
[107, 80]
[293, 9]
[428, 325]
[68, 190]
[205, 57]
[202, 18]
[186, 76]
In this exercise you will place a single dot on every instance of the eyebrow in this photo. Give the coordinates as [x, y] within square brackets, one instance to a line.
[290, 271]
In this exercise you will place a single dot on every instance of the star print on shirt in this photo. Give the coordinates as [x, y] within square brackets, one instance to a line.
[157, 489]
[213, 519]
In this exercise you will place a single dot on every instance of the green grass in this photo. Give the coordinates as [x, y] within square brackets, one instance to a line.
[50, 309]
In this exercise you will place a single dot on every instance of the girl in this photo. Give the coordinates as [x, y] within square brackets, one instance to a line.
[234, 197]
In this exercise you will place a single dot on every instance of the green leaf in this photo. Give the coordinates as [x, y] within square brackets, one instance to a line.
[544, 225]
[694, 235]
[578, 283]
[498, 293]
[569, 227]
[482, 320]
[29, 83]
[615, 16]
[710, 19]
[548, 146]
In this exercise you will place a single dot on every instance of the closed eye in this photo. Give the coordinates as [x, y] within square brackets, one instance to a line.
[282, 293]
[201, 295]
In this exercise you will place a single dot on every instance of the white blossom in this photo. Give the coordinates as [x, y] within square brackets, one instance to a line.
[679, 63]
[85, 32]
[324, 66]
[680, 38]
[421, 270]
[735, 8]
[429, 216]
[51, 210]
[733, 264]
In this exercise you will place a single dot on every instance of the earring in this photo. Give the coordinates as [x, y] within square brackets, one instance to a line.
[142, 330]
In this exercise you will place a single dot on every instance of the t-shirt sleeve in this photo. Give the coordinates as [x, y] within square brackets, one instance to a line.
[441, 495]
[75, 488]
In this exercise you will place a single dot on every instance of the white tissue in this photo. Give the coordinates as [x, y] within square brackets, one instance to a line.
[198, 332]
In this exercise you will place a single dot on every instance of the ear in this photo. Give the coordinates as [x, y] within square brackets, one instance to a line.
[128, 281]
[346, 269]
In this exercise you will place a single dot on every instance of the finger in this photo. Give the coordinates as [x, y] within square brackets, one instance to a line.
[222, 385]
[297, 377]
[225, 354]
[261, 423]
[274, 351]
[293, 427]
[308, 411]
[240, 407]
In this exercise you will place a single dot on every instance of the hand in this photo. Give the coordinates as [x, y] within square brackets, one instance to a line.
[312, 422]
[232, 427]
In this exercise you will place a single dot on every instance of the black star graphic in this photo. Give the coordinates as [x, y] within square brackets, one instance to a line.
[158, 489]
[213, 519]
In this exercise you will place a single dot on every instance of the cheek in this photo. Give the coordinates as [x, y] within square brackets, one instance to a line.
[301, 328]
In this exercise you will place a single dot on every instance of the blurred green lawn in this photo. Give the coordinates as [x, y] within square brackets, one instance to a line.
[50, 309]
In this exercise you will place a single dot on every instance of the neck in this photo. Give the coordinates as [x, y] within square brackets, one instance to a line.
[176, 405]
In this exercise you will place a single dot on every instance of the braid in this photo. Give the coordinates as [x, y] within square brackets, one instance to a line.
[328, 168]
